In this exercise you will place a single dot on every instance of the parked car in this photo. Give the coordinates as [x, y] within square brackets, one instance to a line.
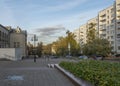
[68, 56]
[83, 57]
[117, 55]
[98, 57]
[53, 57]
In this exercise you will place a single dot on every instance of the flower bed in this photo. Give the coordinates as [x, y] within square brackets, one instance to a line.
[99, 73]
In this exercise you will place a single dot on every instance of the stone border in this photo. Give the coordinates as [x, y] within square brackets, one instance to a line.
[75, 81]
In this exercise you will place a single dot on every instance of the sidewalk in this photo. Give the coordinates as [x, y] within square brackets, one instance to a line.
[28, 73]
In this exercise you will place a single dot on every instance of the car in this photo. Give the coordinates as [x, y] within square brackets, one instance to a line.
[68, 56]
[98, 57]
[83, 57]
[117, 55]
[53, 57]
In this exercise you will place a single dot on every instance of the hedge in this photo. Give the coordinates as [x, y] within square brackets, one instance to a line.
[99, 73]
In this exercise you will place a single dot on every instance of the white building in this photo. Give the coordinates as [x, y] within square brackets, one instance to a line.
[107, 25]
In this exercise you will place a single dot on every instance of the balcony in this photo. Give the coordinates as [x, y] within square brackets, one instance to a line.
[118, 14]
[102, 29]
[102, 15]
[118, 27]
[103, 19]
[118, 7]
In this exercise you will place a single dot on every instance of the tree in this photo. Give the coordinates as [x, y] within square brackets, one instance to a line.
[47, 49]
[94, 44]
[74, 47]
[30, 48]
[39, 49]
[63, 42]
[91, 32]
[98, 46]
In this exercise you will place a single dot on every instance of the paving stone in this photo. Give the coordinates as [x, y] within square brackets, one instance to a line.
[33, 74]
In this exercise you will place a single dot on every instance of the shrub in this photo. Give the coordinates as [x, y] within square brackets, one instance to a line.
[99, 73]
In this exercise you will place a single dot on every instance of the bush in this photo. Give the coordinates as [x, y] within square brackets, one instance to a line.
[99, 73]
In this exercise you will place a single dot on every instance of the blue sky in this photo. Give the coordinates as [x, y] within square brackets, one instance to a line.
[49, 19]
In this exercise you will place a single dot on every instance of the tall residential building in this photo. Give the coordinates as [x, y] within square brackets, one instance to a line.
[82, 32]
[77, 35]
[93, 21]
[117, 26]
[107, 25]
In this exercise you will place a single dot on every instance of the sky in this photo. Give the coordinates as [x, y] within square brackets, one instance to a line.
[49, 19]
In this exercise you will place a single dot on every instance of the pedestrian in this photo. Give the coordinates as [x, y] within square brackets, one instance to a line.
[34, 58]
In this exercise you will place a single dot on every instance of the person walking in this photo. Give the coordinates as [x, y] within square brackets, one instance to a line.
[35, 58]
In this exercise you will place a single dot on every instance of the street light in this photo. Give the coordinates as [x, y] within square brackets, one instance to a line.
[34, 39]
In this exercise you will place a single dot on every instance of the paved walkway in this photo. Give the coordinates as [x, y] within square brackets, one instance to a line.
[28, 73]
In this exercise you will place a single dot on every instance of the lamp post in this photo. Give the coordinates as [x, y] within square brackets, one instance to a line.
[34, 40]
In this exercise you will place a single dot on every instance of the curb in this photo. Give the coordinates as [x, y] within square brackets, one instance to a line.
[72, 78]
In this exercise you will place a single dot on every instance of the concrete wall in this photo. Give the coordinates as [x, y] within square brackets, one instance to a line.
[11, 53]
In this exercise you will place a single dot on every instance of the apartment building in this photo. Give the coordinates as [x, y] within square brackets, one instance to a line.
[80, 34]
[93, 21]
[83, 34]
[76, 33]
[107, 25]
[117, 26]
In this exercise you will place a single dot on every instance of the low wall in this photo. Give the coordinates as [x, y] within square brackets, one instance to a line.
[11, 53]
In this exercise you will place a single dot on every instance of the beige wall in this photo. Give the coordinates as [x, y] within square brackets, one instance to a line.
[77, 35]
[18, 38]
[83, 30]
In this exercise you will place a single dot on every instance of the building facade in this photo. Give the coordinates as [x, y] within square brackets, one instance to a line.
[13, 38]
[82, 34]
[4, 37]
[107, 26]
[76, 33]
[18, 39]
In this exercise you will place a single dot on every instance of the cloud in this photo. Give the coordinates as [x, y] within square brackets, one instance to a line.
[64, 6]
[50, 31]
[44, 5]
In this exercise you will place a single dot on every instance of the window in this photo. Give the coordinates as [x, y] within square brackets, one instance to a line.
[16, 44]
[111, 37]
[118, 35]
[112, 21]
[112, 47]
[118, 47]
[112, 42]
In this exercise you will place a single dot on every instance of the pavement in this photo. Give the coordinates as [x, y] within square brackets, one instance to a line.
[29, 73]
